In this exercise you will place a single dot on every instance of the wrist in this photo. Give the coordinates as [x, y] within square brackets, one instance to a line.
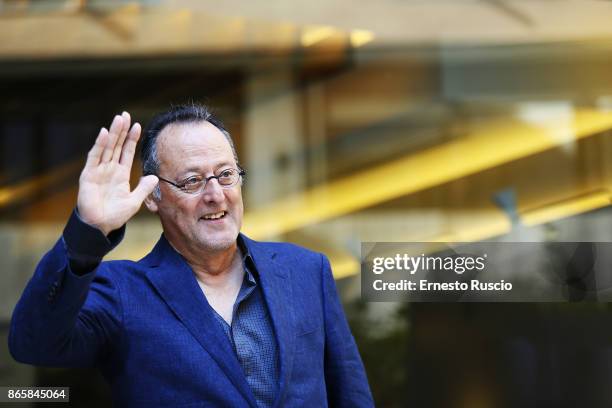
[85, 241]
[103, 229]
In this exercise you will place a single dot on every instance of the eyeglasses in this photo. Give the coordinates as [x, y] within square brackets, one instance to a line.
[196, 184]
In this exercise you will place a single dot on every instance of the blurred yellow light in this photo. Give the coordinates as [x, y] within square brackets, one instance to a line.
[183, 15]
[13, 193]
[344, 267]
[361, 37]
[486, 147]
[566, 208]
[313, 35]
[492, 226]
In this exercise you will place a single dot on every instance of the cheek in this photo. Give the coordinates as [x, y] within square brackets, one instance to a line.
[235, 199]
[178, 213]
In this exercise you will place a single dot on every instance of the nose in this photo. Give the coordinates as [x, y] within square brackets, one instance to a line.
[213, 192]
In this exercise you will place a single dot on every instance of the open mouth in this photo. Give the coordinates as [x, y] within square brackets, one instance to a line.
[214, 216]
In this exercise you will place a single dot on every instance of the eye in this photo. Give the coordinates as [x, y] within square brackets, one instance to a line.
[192, 181]
[226, 173]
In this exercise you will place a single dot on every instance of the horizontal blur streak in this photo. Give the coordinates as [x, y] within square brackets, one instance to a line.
[566, 208]
[14, 193]
[489, 145]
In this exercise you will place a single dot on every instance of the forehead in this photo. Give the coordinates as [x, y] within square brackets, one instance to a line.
[181, 144]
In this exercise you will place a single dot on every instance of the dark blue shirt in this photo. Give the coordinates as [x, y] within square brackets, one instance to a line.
[251, 335]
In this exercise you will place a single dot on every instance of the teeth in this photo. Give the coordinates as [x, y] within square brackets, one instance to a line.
[214, 216]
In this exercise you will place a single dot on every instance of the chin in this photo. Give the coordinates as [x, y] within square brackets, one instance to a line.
[218, 244]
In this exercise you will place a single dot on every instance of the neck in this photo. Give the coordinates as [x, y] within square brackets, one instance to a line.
[213, 268]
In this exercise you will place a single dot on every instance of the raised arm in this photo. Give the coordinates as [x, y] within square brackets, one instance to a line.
[70, 312]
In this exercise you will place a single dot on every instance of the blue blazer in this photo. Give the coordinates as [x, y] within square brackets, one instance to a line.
[150, 330]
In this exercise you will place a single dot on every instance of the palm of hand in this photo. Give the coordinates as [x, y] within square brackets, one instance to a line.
[105, 200]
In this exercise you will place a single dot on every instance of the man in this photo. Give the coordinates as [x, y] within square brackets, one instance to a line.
[209, 317]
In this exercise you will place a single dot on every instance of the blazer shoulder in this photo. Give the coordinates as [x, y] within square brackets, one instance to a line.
[287, 249]
[299, 262]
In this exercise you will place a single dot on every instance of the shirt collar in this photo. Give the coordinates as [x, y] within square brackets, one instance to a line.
[251, 273]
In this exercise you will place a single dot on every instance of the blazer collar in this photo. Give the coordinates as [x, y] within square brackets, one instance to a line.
[175, 281]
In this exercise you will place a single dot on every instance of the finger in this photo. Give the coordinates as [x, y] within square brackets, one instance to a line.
[113, 135]
[129, 148]
[95, 153]
[124, 131]
[144, 188]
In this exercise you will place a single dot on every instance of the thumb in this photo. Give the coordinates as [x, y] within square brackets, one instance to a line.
[145, 186]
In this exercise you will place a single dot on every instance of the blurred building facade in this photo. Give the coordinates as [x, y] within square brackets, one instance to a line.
[356, 122]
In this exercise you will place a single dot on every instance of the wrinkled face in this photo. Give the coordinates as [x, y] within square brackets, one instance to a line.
[191, 149]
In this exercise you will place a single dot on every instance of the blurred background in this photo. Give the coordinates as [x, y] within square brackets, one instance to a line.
[357, 121]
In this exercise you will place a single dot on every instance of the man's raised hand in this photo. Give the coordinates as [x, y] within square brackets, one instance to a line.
[105, 200]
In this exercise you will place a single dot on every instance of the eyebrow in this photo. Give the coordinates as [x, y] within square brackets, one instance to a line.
[197, 170]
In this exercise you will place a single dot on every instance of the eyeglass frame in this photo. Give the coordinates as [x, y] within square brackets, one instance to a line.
[241, 173]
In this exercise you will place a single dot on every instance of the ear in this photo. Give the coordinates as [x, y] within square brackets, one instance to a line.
[151, 203]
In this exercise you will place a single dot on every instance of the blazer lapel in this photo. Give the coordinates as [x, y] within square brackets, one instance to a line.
[278, 293]
[174, 280]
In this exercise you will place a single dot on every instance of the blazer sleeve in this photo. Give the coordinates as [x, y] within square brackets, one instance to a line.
[345, 377]
[65, 319]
